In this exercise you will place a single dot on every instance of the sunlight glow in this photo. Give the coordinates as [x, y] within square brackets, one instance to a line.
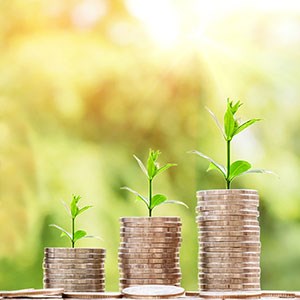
[160, 19]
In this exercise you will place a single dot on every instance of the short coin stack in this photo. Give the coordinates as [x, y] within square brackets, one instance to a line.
[74, 269]
[149, 251]
[229, 240]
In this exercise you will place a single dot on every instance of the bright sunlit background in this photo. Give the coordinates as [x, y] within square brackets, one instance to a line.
[85, 84]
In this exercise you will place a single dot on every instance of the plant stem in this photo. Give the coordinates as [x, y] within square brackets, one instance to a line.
[150, 197]
[228, 165]
[73, 232]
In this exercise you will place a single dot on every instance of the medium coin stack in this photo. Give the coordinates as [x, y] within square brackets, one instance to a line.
[229, 240]
[149, 251]
[74, 269]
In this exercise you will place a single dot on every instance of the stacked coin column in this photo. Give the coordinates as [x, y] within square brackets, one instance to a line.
[149, 251]
[74, 269]
[229, 240]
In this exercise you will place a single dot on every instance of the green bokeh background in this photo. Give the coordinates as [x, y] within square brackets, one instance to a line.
[86, 84]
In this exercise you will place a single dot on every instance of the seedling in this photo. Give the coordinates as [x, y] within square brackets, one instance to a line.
[74, 211]
[232, 127]
[151, 171]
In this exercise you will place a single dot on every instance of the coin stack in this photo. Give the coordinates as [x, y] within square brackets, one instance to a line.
[149, 251]
[74, 269]
[229, 240]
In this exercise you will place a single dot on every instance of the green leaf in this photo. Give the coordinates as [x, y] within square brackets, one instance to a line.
[217, 121]
[74, 207]
[165, 167]
[152, 165]
[63, 231]
[214, 164]
[79, 234]
[81, 210]
[245, 125]
[237, 168]
[157, 199]
[229, 124]
[67, 207]
[139, 196]
[175, 202]
[142, 166]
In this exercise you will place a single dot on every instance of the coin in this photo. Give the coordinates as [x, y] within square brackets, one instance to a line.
[142, 230]
[146, 255]
[69, 266]
[31, 293]
[137, 246]
[76, 281]
[151, 236]
[98, 271]
[227, 223]
[149, 281]
[151, 240]
[229, 233]
[76, 287]
[147, 250]
[153, 291]
[228, 192]
[74, 261]
[241, 270]
[146, 266]
[75, 251]
[92, 295]
[151, 219]
[149, 261]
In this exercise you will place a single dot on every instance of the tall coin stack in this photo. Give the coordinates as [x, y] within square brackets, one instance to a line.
[229, 240]
[149, 251]
[74, 269]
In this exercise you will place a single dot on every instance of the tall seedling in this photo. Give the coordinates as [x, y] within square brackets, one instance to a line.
[151, 171]
[232, 127]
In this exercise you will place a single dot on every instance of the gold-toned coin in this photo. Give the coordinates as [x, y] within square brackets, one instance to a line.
[234, 233]
[149, 255]
[228, 264]
[77, 256]
[93, 272]
[227, 275]
[147, 250]
[218, 239]
[241, 270]
[75, 251]
[147, 266]
[151, 220]
[214, 217]
[150, 271]
[77, 287]
[151, 276]
[75, 281]
[150, 291]
[92, 295]
[137, 245]
[142, 230]
[31, 293]
[151, 236]
[227, 223]
[69, 266]
[149, 281]
[230, 244]
[74, 276]
[73, 261]
[214, 206]
[148, 261]
[279, 294]
[205, 254]
[152, 241]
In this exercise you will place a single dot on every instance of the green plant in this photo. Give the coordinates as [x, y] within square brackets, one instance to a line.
[232, 127]
[74, 211]
[151, 171]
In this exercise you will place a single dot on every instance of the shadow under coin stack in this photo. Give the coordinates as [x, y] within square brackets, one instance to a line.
[149, 251]
[74, 269]
[229, 240]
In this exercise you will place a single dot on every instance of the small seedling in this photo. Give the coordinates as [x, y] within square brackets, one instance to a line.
[151, 171]
[74, 211]
[232, 127]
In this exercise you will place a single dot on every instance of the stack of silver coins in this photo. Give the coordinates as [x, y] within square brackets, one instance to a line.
[74, 269]
[149, 251]
[229, 240]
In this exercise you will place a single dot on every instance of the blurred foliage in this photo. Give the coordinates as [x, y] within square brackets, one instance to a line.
[84, 86]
